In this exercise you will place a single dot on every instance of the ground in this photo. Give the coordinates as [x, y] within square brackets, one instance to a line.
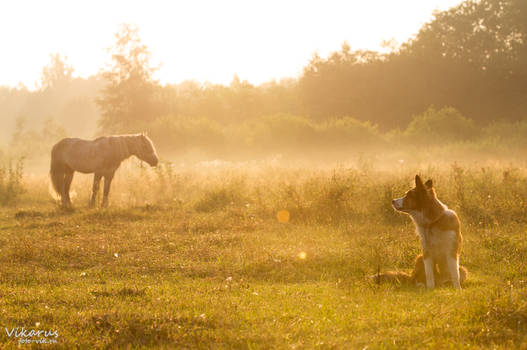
[214, 262]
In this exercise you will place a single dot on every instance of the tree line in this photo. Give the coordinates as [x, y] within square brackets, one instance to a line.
[470, 57]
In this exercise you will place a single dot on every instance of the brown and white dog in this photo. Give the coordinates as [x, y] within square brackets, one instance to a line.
[438, 229]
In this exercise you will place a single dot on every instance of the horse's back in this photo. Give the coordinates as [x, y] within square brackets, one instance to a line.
[77, 154]
[68, 143]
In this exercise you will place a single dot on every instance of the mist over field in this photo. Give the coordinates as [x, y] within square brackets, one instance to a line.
[271, 203]
[455, 91]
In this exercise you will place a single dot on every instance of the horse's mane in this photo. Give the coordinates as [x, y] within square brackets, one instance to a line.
[127, 143]
[118, 136]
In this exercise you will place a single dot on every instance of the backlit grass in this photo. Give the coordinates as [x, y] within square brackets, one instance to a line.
[198, 258]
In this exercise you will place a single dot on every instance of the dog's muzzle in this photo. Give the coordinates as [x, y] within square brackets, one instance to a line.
[397, 203]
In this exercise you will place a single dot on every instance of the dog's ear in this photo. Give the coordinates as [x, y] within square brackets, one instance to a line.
[418, 182]
[429, 184]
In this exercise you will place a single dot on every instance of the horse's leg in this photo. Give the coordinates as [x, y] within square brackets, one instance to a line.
[95, 189]
[68, 177]
[107, 182]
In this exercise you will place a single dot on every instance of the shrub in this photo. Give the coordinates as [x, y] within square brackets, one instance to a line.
[282, 133]
[287, 134]
[348, 132]
[444, 125]
[508, 135]
[178, 135]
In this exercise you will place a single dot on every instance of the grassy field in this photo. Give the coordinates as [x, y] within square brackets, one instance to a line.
[196, 257]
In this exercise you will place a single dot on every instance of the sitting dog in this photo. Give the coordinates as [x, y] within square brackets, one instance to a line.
[438, 229]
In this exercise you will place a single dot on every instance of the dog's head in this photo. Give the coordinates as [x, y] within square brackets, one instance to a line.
[416, 199]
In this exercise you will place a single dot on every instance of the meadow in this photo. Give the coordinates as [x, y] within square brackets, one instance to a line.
[261, 255]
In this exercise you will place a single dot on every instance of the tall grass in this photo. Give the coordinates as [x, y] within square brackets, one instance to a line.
[485, 195]
[11, 185]
[195, 256]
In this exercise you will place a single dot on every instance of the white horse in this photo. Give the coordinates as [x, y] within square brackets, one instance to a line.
[101, 156]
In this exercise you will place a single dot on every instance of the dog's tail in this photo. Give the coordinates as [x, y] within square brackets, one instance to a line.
[395, 277]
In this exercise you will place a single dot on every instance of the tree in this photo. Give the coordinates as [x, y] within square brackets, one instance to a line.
[344, 84]
[57, 73]
[128, 100]
[471, 57]
[476, 52]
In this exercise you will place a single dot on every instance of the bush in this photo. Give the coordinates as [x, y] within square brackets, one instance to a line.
[440, 126]
[508, 135]
[288, 134]
[445, 132]
[178, 135]
[348, 132]
[281, 133]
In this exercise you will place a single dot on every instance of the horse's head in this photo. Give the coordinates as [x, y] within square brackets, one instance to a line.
[146, 151]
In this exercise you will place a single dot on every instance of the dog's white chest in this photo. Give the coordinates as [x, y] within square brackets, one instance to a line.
[435, 240]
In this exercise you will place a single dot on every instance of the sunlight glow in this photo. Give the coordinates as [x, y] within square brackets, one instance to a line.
[283, 216]
[201, 40]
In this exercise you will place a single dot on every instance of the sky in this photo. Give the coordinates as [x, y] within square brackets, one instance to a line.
[201, 40]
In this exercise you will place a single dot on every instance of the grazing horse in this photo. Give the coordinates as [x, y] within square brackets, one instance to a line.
[101, 156]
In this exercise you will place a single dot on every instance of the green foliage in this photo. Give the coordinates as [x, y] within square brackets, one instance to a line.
[179, 135]
[275, 134]
[347, 131]
[470, 57]
[507, 135]
[282, 132]
[441, 126]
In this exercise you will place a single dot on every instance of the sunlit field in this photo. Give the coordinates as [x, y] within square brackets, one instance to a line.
[278, 134]
[262, 255]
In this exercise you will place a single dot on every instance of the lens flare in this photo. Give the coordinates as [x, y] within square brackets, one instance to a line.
[283, 216]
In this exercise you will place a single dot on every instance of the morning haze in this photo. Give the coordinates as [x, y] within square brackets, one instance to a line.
[255, 151]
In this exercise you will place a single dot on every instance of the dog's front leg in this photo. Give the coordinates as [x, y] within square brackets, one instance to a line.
[429, 272]
[453, 268]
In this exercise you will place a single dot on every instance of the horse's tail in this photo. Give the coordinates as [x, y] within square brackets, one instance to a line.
[56, 171]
